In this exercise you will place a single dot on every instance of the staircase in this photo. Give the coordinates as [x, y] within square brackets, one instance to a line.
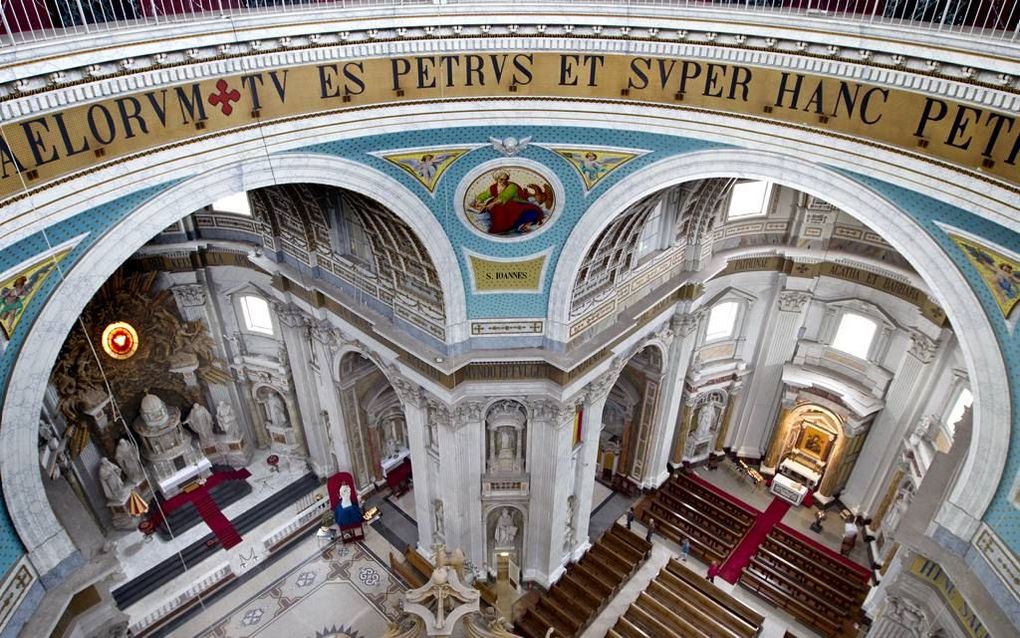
[168, 569]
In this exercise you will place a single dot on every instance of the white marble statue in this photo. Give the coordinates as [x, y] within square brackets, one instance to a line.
[200, 421]
[111, 481]
[389, 448]
[127, 458]
[506, 443]
[225, 418]
[706, 420]
[345, 495]
[437, 518]
[506, 531]
[277, 410]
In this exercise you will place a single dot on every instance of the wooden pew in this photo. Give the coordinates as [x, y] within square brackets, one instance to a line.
[722, 614]
[827, 589]
[711, 497]
[578, 592]
[703, 545]
[779, 598]
[830, 562]
[557, 617]
[640, 616]
[579, 614]
[812, 565]
[531, 625]
[419, 562]
[625, 628]
[687, 575]
[739, 518]
[792, 587]
[696, 518]
[632, 539]
[703, 619]
[676, 625]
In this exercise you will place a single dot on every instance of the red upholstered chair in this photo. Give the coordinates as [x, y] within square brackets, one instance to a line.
[350, 531]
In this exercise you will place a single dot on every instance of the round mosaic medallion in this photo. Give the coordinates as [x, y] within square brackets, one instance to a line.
[509, 200]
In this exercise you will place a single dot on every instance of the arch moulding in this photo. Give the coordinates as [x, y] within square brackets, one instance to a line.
[44, 538]
[986, 459]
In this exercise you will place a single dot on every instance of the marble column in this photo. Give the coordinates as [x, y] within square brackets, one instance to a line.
[683, 428]
[867, 484]
[594, 404]
[462, 440]
[778, 343]
[683, 328]
[294, 325]
[413, 402]
[735, 393]
[551, 466]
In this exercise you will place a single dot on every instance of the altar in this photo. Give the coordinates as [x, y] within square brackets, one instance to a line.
[796, 469]
[788, 489]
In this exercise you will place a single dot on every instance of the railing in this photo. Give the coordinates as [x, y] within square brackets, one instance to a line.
[185, 598]
[26, 21]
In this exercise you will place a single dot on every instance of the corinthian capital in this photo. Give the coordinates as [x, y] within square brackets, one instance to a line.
[683, 324]
[467, 413]
[188, 295]
[290, 315]
[547, 410]
[922, 346]
[793, 300]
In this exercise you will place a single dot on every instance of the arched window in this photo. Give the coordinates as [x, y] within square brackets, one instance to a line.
[256, 314]
[722, 319]
[749, 199]
[237, 204]
[854, 335]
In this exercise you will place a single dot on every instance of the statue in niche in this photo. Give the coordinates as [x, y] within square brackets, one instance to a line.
[706, 419]
[111, 481]
[506, 531]
[200, 421]
[127, 458]
[903, 497]
[437, 518]
[225, 419]
[389, 448]
[506, 443]
[276, 410]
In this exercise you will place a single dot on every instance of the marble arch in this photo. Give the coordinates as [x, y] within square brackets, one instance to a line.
[986, 459]
[44, 538]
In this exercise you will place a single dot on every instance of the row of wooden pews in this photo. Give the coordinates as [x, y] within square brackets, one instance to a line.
[684, 508]
[680, 603]
[587, 586]
[809, 583]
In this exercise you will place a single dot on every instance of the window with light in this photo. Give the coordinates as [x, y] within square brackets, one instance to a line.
[854, 335]
[963, 401]
[256, 314]
[749, 199]
[237, 204]
[722, 319]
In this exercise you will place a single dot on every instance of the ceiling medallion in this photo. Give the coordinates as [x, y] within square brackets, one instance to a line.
[120, 340]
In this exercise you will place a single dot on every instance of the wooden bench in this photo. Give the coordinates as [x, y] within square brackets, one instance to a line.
[719, 501]
[696, 518]
[631, 538]
[791, 585]
[827, 589]
[699, 618]
[419, 562]
[777, 597]
[830, 562]
[737, 517]
[695, 597]
[641, 617]
[675, 625]
[703, 545]
[625, 628]
[820, 570]
[738, 608]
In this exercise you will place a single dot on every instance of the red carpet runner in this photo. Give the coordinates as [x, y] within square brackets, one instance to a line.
[207, 507]
[742, 553]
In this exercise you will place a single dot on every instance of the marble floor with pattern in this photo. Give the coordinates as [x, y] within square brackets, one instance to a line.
[322, 589]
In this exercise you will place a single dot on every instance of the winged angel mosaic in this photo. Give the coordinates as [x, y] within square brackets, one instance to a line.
[594, 164]
[1001, 274]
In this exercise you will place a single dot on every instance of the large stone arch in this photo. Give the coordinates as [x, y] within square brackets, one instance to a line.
[44, 538]
[986, 459]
